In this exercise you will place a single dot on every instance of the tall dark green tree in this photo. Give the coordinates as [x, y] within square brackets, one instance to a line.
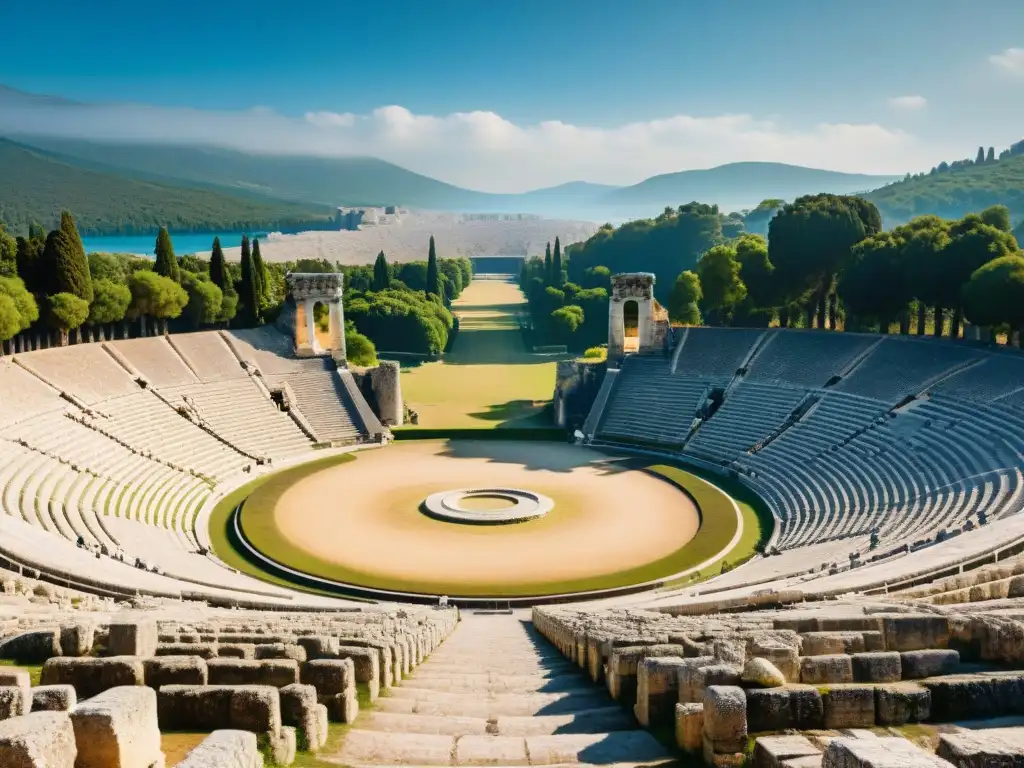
[248, 289]
[260, 271]
[64, 264]
[547, 265]
[166, 261]
[434, 285]
[218, 267]
[381, 273]
[980, 159]
[556, 264]
[991, 156]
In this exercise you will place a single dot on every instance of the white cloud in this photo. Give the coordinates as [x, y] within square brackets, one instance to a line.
[483, 150]
[908, 103]
[1010, 61]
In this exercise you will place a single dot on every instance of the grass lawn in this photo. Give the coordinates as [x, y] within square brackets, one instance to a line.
[717, 529]
[34, 670]
[488, 379]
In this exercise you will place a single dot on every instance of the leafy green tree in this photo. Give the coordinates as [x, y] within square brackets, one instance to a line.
[204, 300]
[973, 243]
[564, 323]
[67, 312]
[166, 261]
[263, 289]
[248, 289]
[925, 239]
[453, 277]
[109, 266]
[719, 274]
[109, 304]
[874, 286]
[683, 302]
[8, 254]
[218, 267]
[155, 296]
[994, 295]
[414, 275]
[14, 294]
[757, 271]
[997, 216]
[381, 273]
[548, 265]
[556, 264]
[434, 285]
[64, 265]
[359, 350]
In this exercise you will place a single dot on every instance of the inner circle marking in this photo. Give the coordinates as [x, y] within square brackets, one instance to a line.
[524, 505]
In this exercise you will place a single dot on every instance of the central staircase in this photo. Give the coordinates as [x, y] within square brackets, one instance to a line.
[495, 693]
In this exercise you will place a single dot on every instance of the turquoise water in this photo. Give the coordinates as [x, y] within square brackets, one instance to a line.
[143, 244]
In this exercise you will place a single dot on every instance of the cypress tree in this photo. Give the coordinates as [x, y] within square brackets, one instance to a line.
[433, 277]
[64, 261]
[991, 156]
[166, 261]
[260, 271]
[547, 265]
[248, 290]
[556, 265]
[381, 274]
[218, 269]
[981, 156]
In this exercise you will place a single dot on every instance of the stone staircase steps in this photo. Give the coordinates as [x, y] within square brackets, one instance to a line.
[496, 694]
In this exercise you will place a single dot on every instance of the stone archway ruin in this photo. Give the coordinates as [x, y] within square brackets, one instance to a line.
[305, 290]
[651, 318]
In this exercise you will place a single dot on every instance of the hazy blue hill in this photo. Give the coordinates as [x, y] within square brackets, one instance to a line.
[738, 185]
[953, 193]
[36, 186]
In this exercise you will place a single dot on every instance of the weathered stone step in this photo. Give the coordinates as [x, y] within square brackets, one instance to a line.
[374, 748]
[601, 720]
[397, 722]
[472, 668]
[488, 706]
[430, 672]
[500, 684]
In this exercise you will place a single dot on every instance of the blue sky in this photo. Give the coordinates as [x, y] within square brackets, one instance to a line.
[936, 74]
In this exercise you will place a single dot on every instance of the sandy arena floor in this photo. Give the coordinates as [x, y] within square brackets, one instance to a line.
[364, 516]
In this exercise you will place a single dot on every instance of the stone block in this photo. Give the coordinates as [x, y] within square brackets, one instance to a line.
[849, 706]
[175, 670]
[275, 672]
[762, 673]
[831, 643]
[771, 751]
[31, 647]
[329, 676]
[689, 726]
[254, 708]
[988, 748]
[90, 676]
[900, 703]
[38, 740]
[783, 658]
[319, 646]
[657, 690]
[878, 667]
[930, 663]
[367, 667]
[299, 708]
[200, 650]
[809, 761]
[236, 651]
[691, 684]
[731, 652]
[134, 638]
[341, 707]
[826, 670]
[76, 639]
[53, 698]
[790, 707]
[725, 718]
[622, 668]
[225, 749]
[721, 759]
[975, 697]
[281, 651]
[15, 701]
[915, 632]
[878, 753]
[283, 746]
[118, 729]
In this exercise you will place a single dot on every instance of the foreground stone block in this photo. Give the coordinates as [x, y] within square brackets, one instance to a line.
[832, 643]
[76, 639]
[90, 677]
[175, 670]
[278, 673]
[879, 667]
[53, 698]
[118, 729]
[931, 663]
[971, 697]
[236, 651]
[281, 651]
[878, 753]
[657, 690]
[319, 647]
[791, 707]
[915, 632]
[200, 650]
[784, 658]
[225, 749]
[214, 707]
[137, 638]
[31, 647]
[367, 667]
[329, 676]
[14, 701]
[901, 703]
[691, 684]
[770, 751]
[283, 746]
[988, 748]
[849, 706]
[299, 708]
[725, 719]
[38, 740]
[826, 670]
[689, 726]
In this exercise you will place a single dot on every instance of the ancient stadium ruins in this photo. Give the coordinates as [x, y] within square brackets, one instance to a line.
[792, 548]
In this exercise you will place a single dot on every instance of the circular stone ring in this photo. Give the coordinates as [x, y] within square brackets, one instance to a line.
[522, 506]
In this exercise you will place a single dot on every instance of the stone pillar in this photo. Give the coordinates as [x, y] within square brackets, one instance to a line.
[336, 316]
[630, 286]
[309, 307]
[387, 389]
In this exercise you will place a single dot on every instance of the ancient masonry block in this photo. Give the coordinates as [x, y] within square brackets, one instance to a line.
[38, 739]
[770, 751]
[689, 726]
[118, 729]
[826, 670]
[137, 638]
[849, 706]
[983, 748]
[53, 698]
[900, 703]
[878, 753]
[225, 749]
[882, 667]
[657, 689]
[725, 719]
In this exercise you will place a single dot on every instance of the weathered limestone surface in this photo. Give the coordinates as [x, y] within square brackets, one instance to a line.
[299, 708]
[137, 638]
[777, 709]
[689, 726]
[877, 667]
[15, 701]
[118, 729]
[849, 706]
[970, 697]
[826, 670]
[90, 677]
[771, 751]
[989, 748]
[281, 651]
[38, 740]
[657, 689]
[76, 639]
[762, 673]
[200, 650]
[175, 670]
[31, 647]
[213, 707]
[878, 753]
[225, 749]
[920, 664]
[900, 703]
[275, 672]
[53, 698]
[725, 719]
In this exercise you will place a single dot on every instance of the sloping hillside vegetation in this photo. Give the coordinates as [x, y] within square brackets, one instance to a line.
[36, 186]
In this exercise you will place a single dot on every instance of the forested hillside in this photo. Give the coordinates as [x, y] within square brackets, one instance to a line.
[36, 186]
